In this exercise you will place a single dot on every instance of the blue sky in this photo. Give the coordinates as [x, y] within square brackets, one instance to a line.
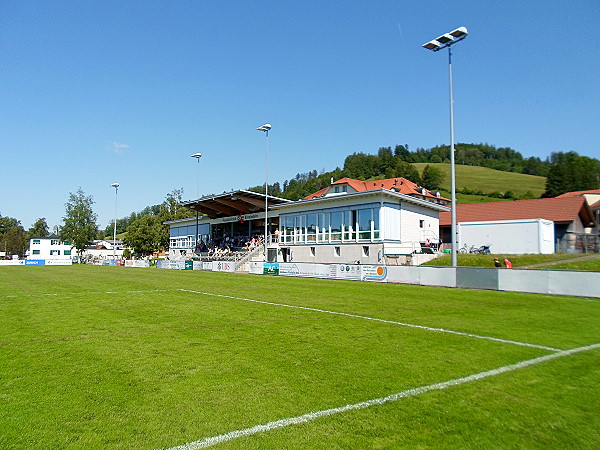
[101, 92]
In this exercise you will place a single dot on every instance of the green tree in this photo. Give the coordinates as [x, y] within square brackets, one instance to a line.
[39, 228]
[432, 178]
[571, 172]
[408, 171]
[7, 223]
[14, 241]
[147, 235]
[79, 224]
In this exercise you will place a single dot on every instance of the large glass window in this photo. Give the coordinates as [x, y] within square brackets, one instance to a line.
[350, 225]
[364, 223]
[323, 227]
[288, 229]
[300, 228]
[336, 225]
[311, 227]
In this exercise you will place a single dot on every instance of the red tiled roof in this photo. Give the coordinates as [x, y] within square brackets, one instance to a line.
[564, 209]
[578, 193]
[399, 184]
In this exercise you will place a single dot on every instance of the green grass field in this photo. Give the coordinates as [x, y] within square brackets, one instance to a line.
[488, 181]
[113, 357]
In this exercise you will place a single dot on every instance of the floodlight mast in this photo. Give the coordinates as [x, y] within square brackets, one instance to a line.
[443, 41]
[116, 186]
[197, 156]
[266, 127]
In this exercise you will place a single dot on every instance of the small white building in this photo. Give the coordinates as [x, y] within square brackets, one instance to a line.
[532, 236]
[104, 249]
[50, 247]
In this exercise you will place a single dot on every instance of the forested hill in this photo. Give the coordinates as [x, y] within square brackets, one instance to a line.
[564, 172]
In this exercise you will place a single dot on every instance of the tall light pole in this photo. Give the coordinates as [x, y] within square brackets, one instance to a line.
[197, 156]
[116, 186]
[443, 41]
[266, 127]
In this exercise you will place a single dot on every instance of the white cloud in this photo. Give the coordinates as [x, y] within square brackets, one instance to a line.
[119, 147]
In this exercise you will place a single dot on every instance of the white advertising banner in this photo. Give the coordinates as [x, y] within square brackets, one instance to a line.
[345, 272]
[255, 268]
[223, 266]
[137, 263]
[374, 273]
[59, 262]
[12, 262]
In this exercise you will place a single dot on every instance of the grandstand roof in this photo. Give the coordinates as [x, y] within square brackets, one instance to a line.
[232, 203]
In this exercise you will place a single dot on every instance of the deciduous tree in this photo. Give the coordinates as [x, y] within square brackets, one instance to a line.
[79, 224]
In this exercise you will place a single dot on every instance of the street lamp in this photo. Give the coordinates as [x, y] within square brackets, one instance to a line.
[266, 127]
[116, 186]
[197, 156]
[447, 40]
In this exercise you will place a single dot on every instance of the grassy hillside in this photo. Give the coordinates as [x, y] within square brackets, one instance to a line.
[487, 180]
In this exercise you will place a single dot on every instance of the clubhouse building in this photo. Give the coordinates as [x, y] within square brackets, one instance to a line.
[392, 221]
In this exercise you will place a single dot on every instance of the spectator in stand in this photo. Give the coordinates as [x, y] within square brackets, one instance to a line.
[507, 263]
[497, 263]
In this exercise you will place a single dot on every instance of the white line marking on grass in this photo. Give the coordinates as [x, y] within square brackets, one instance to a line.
[356, 316]
[207, 442]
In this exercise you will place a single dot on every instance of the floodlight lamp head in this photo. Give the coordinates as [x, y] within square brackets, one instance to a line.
[459, 33]
[446, 40]
[433, 45]
[197, 155]
[115, 185]
[265, 127]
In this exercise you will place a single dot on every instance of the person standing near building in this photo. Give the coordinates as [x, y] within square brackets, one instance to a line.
[507, 263]
[497, 263]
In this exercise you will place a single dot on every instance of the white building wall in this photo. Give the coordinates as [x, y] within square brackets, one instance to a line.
[412, 215]
[509, 236]
[50, 248]
[391, 222]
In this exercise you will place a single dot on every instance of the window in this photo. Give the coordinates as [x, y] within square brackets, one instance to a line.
[336, 225]
[54, 252]
[421, 224]
[300, 228]
[67, 253]
[323, 227]
[312, 251]
[36, 252]
[364, 223]
[336, 251]
[350, 225]
[54, 242]
[311, 227]
[365, 250]
[36, 241]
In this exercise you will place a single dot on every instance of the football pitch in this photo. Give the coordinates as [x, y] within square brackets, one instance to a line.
[113, 357]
